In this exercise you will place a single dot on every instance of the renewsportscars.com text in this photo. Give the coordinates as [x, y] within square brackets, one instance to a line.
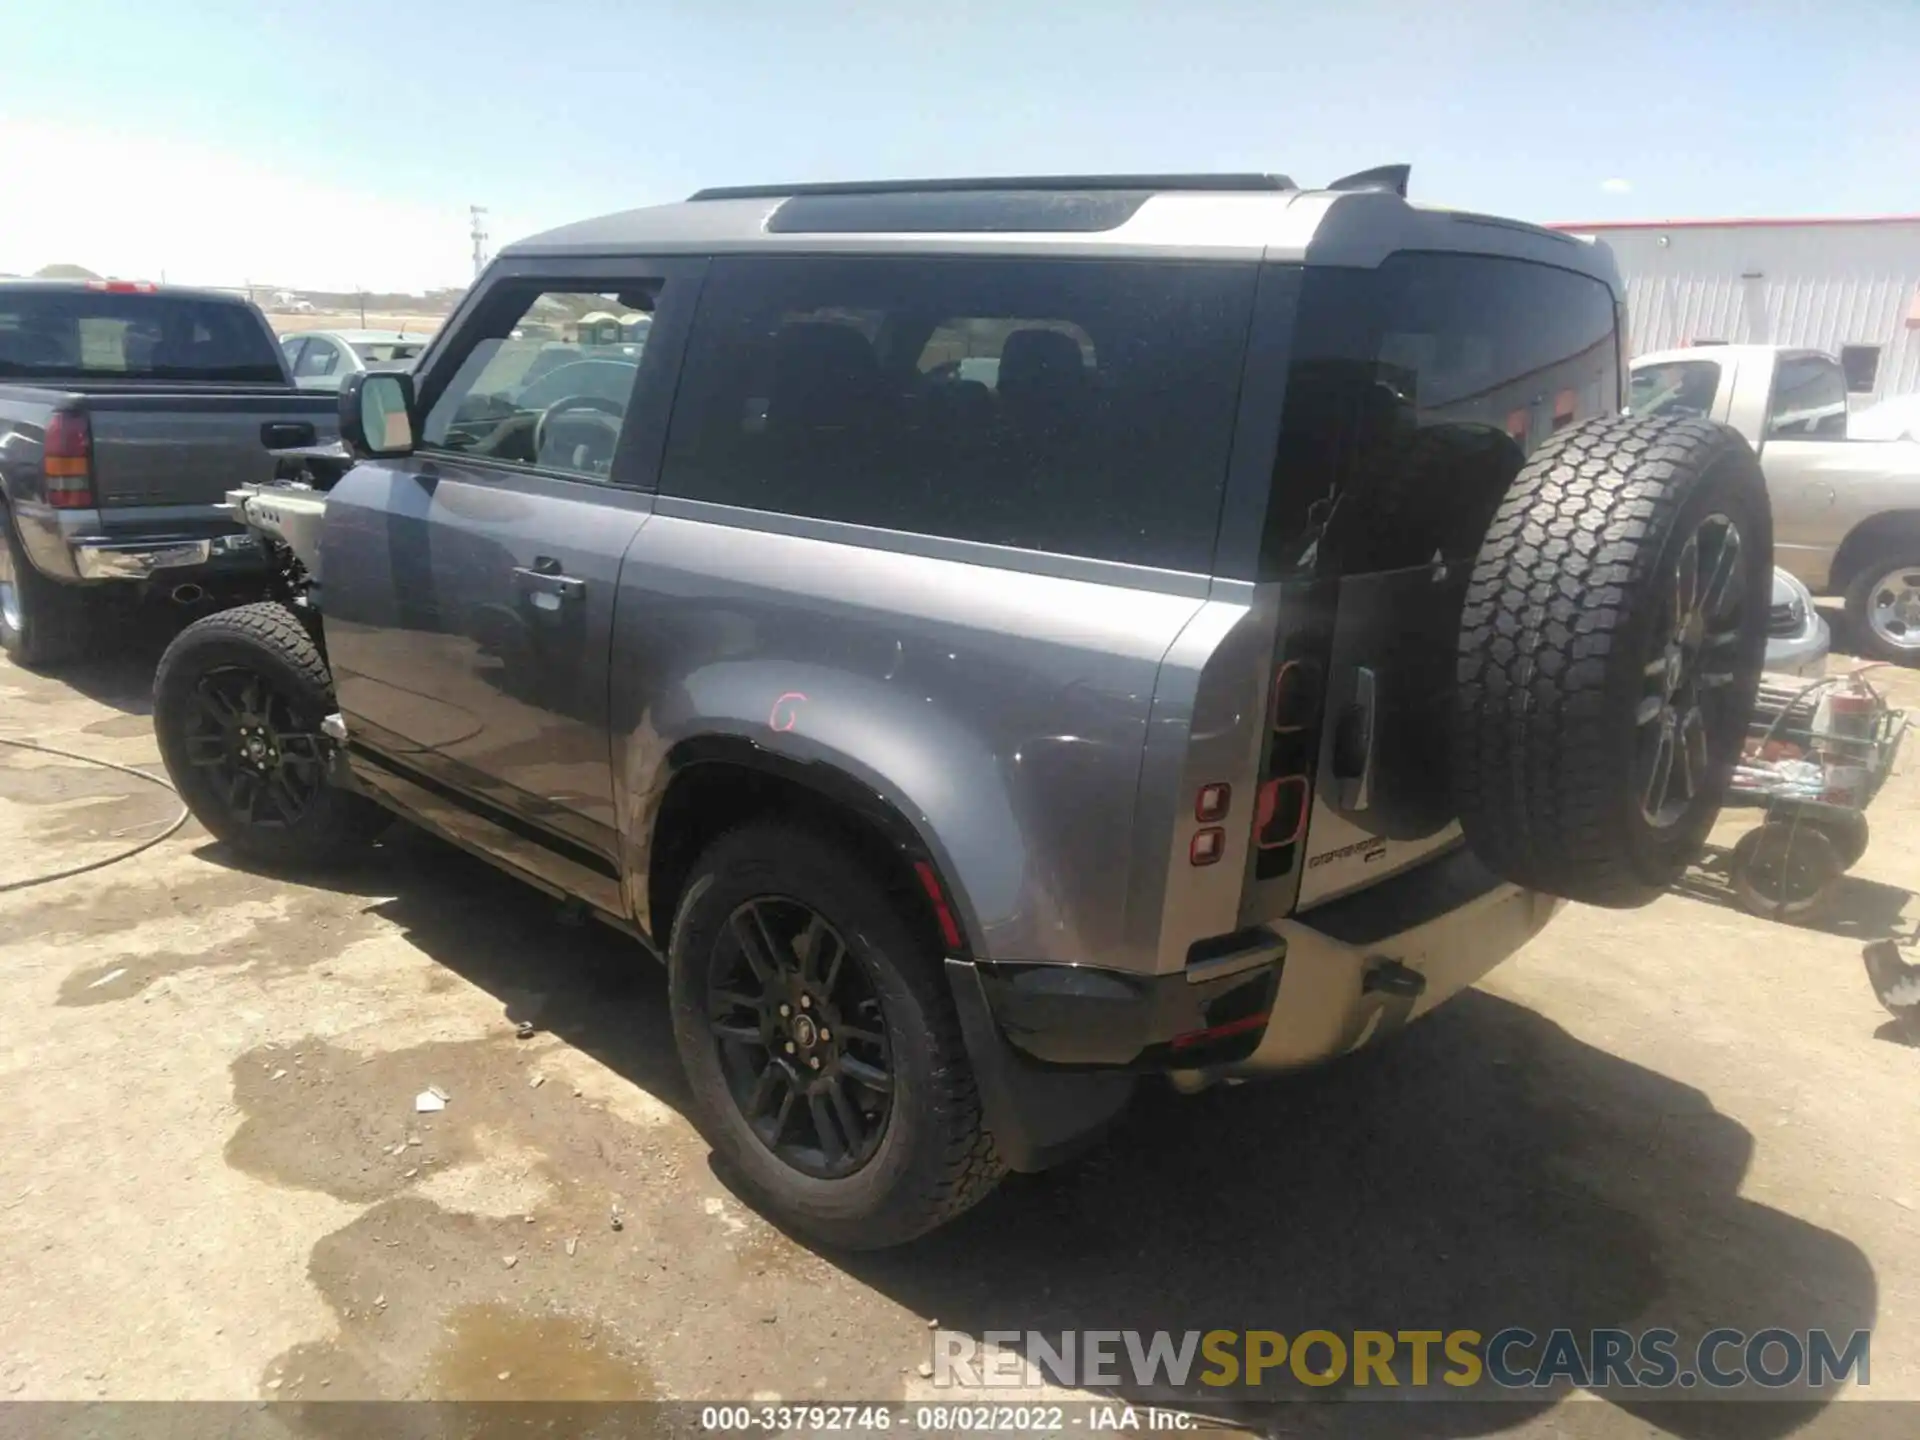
[1508, 1359]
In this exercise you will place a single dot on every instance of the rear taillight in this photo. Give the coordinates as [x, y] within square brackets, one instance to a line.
[67, 460]
[1296, 698]
[1281, 815]
[1286, 787]
[1207, 846]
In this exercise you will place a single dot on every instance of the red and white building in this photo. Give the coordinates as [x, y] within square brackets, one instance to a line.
[1850, 287]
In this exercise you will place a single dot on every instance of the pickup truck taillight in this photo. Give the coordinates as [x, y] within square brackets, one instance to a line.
[67, 459]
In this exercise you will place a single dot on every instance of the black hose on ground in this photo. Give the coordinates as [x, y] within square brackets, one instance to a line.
[102, 864]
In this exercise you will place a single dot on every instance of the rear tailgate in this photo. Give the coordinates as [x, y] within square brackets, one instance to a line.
[1414, 392]
[160, 451]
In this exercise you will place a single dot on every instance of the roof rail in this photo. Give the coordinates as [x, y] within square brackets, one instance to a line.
[1005, 182]
[1391, 178]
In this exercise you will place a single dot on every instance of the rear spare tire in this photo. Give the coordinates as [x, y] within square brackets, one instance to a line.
[237, 705]
[1609, 651]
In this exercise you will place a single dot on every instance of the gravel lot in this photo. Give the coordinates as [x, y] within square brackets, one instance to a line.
[215, 1183]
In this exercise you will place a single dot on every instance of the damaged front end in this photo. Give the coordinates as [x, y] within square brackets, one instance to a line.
[288, 516]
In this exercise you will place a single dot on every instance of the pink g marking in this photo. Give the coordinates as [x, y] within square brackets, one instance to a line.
[786, 711]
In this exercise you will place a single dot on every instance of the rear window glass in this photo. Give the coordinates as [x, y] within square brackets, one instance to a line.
[1415, 391]
[84, 335]
[383, 352]
[1066, 406]
[1677, 387]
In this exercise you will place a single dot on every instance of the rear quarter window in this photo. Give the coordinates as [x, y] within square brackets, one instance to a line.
[1075, 407]
[1413, 394]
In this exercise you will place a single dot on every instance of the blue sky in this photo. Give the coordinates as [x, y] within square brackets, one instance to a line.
[340, 143]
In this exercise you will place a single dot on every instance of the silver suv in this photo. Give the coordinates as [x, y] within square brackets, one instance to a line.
[997, 640]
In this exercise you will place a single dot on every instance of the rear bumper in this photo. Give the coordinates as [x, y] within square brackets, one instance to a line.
[89, 546]
[1804, 652]
[1351, 979]
[97, 558]
[1057, 1049]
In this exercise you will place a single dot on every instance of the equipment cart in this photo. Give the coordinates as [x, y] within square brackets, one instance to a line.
[1816, 754]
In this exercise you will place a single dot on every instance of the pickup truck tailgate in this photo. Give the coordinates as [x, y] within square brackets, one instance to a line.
[190, 449]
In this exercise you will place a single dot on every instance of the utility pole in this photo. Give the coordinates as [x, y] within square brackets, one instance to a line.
[479, 238]
[361, 292]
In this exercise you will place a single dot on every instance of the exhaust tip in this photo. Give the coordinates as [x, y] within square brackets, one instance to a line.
[188, 594]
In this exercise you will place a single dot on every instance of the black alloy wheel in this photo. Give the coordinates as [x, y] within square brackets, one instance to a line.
[1685, 713]
[246, 736]
[801, 1037]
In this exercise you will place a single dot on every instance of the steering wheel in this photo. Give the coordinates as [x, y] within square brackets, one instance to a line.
[607, 413]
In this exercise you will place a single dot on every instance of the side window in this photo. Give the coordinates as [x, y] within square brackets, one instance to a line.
[1069, 406]
[969, 349]
[1809, 400]
[1414, 392]
[547, 380]
[1681, 387]
[291, 348]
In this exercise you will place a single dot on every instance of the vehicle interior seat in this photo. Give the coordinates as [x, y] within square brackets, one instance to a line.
[1043, 378]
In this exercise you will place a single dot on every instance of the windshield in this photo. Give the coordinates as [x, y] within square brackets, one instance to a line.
[103, 335]
[1677, 387]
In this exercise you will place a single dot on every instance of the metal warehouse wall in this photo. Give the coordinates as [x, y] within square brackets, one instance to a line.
[1821, 285]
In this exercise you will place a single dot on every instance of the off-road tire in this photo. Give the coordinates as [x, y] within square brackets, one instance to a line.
[1867, 642]
[268, 639]
[55, 619]
[936, 1158]
[1563, 615]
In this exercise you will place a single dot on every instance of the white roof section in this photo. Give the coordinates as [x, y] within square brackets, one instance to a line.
[1346, 228]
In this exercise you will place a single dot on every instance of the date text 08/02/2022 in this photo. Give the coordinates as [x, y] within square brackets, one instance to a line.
[942, 1418]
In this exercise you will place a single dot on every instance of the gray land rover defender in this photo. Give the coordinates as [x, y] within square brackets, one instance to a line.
[997, 640]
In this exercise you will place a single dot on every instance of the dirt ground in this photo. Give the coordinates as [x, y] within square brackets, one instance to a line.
[214, 1182]
[290, 324]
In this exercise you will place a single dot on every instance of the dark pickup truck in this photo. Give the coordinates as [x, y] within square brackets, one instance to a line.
[126, 413]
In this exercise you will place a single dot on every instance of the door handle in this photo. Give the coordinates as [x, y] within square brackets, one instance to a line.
[286, 434]
[539, 579]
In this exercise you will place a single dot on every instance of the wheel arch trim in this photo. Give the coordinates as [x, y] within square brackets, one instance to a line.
[1854, 554]
[835, 779]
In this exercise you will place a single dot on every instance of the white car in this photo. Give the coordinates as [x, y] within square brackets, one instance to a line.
[1798, 637]
[322, 359]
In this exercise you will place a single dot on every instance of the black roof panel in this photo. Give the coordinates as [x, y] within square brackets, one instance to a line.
[957, 212]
